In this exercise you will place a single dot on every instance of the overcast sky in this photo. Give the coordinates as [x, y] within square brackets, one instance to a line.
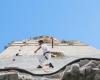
[64, 19]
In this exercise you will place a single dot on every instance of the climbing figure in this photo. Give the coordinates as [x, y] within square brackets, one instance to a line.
[44, 60]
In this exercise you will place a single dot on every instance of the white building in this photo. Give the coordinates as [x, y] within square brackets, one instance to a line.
[20, 54]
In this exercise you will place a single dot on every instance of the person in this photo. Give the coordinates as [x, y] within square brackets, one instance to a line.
[46, 55]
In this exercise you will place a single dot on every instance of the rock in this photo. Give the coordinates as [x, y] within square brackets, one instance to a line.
[97, 75]
[9, 76]
[73, 73]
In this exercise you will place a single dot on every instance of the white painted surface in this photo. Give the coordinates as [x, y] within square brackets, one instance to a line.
[29, 60]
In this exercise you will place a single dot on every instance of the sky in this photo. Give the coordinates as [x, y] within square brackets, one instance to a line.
[63, 19]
